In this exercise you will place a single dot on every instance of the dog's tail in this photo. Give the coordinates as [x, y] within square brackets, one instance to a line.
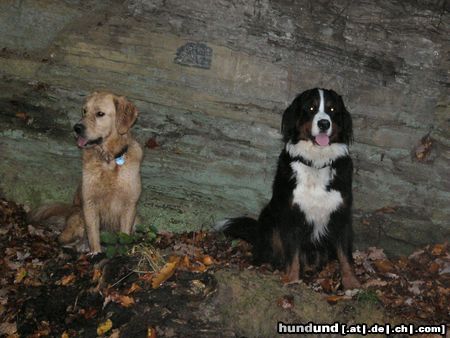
[245, 228]
[54, 214]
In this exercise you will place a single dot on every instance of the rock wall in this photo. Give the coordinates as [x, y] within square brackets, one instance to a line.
[211, 79]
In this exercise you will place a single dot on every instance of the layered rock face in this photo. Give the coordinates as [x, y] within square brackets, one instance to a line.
[211, 80]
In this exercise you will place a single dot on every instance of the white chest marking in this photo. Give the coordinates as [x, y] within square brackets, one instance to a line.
[312, 197]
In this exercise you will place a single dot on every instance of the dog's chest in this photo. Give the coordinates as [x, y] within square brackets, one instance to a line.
[111, 179]
[313, 198]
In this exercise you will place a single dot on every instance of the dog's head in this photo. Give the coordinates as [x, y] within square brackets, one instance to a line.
[319, 116]
[104, 115]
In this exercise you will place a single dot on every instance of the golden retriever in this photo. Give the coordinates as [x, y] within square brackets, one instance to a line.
[111, 182]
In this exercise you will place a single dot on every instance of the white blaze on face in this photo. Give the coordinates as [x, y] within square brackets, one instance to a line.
[321, 115]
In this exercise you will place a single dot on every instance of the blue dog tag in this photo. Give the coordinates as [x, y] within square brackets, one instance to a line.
[120, 160]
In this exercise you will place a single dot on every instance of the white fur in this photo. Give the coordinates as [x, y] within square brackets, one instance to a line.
[313, 199]
[321, 115]
[319, 156]
[221, 225]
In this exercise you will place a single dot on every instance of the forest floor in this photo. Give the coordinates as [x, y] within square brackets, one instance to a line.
[200, 284]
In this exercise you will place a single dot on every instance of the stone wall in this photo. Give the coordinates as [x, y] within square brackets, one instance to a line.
[211, 79]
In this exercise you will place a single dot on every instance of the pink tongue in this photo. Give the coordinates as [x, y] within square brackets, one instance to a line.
[81, 142]
[322, 140]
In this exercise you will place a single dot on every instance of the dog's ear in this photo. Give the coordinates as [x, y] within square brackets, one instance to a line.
[346, 124]
[126, 114]
[290, 117]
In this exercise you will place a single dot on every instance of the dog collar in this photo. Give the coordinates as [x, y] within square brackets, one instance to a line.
[309, 163]
[120, 157]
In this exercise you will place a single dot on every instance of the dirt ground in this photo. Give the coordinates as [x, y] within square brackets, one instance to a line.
[198, 284]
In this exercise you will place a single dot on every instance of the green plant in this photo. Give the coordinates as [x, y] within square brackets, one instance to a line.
[367, 296]
[119, 243]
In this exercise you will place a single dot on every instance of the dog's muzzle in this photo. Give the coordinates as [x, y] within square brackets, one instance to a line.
[82, 141]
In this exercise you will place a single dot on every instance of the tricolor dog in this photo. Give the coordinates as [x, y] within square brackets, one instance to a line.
[308, 221]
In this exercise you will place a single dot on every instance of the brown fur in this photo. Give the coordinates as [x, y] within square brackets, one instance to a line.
[108, 194]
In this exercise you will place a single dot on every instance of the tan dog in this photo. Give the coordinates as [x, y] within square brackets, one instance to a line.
[111, 183]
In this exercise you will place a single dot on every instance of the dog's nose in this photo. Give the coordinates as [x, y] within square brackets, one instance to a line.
[323, 125]
[79, 128]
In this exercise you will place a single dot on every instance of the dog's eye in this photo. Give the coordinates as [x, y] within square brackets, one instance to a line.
[83, 113]
[100, 114]
[311, 108]
[332, 109]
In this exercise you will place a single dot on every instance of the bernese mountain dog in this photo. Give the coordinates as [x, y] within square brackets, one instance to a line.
[308, 221]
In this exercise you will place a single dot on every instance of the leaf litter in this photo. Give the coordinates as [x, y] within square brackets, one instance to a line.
[46, 289]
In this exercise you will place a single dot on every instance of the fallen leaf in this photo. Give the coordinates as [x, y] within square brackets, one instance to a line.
[151, 332]
[147, 277]
[65, 335]
[125, 301]
[152, 143]
[416, 254]
[383, 265]
[286, 302]
[415, 287]
[376, 254]
[104, 327]
[438, 250]
[66, 280]
[20, 275]
[165, 273]
[375, 283]
[133, 288]
[336, 298]
[8, 329]
[207, 260]
[434, 267]
[89, 313]
[326, 284]
[96, 275]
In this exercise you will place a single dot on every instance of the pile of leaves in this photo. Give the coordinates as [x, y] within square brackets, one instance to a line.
[49, 290]
[152, 285]
[416, 288]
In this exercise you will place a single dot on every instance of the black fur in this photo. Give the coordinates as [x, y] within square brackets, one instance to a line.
[287, 219]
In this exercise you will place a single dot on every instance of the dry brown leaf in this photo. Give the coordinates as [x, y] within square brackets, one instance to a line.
[327, 285]
[104, 327]
[375, 283]
[20, 275]
[434, 267]
[147, 277]
[96, 275]
[165, 273]
[207, 260]
[152, 143]
[384, 265]
[438, 250]
[66, 280]
[133, 288]
[89, 313]
[125, 301]
[375, 253]
[336, 298]
[286, 302]
[151, 332]
[8, 329]
[65, 335]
